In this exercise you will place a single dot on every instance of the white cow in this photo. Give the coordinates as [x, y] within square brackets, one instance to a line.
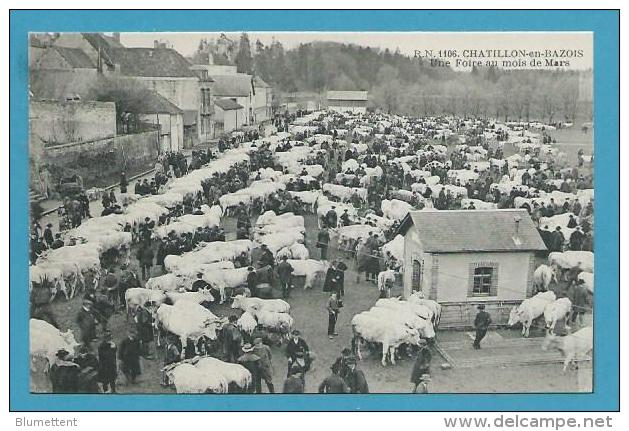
[555, 311]
[389, 332]
[313, 270]
[247, 322]
[189, 379]
[138, 296]
[195, 297]
[249, 304]
[542, 277]
[530, 309]
[274, 321]
[188, 320]
[233, 373]
[46, 340]
[573, 346]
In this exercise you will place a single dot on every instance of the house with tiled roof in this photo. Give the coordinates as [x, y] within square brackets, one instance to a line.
[262, 100]
[57, 57]
[230, 115]
[464, 258]
[166, 117]
[239, 88]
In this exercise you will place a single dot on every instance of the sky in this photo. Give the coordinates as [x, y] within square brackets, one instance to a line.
[407, 42]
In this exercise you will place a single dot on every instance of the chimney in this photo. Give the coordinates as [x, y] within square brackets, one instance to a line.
[116, 36]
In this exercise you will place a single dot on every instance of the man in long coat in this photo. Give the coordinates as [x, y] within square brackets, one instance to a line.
[129, 355]
[107, 365]
[87, 323]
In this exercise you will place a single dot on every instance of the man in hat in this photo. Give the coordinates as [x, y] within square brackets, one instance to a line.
[128, 280]
[331, 218]
[232, 339]
[356, 378]
[88, 373]
[251, 362]
[576, 239]
[58, 242]
[144, 327]
[333, 307]
[557, 240]
[294, 384]
[481, 324]
[421, 366]
[296, 347]
[345, 216]
[252, 280]
[129, 355]
[266, 366]
[284, 272]
[48, 237]
[107, 366]
[323, 241]
[87, 322]
[199, 283]
[145, 256]
[334, 383]
[64, 374]
[266, 258]
[340, 364]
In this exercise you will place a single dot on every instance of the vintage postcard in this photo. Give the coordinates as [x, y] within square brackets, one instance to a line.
[313, 212]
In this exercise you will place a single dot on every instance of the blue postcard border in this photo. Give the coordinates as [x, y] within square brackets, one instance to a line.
[603, 23]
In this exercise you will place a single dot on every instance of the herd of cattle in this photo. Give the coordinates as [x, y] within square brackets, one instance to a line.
[420, 148]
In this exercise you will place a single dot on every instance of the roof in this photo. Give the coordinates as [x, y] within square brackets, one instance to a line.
[227, 104]
[152, 62]
[259, 82]
[190, 117]
[238, 85]
[76, 57]
[153, 103]
[347, 95]
[473, 230]
[100, 42]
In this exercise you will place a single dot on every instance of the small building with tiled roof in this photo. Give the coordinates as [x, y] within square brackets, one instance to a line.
[239, 88]
[347, 101]
[464, 258]
[262, 100]
[230, 115]
[166, 117]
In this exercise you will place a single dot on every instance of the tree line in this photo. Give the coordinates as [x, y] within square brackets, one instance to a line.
[401, 84]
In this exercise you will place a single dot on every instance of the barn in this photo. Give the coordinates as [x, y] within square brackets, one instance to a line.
[463, 258]
[348, 101]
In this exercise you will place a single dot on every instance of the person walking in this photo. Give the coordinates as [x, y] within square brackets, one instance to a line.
[266, 365]
[323, 242]
[144, 327]
[145, 256]
[64, 374]
[284, 272]
[232, 339]
[251, 362]
[334, 384]
[88, 371]
[421, 366]
[107, 366]
[333, 308]
[87, 322]
[294, 383]
[481, 324]
[356, 378]
[123, 182]
[129, 355]
[297, 351]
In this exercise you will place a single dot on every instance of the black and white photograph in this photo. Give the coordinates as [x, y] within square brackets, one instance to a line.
[311, 212]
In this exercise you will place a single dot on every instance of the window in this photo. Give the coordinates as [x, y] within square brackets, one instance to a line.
[482, 281]
[417, 273]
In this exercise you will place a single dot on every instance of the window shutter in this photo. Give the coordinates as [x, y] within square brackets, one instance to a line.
[470, 277]
[493, 290]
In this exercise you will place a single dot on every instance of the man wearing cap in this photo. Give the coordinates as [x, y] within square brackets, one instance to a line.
[251, 362]
[107, 366]
[294, 384]
[87, 322]
[144, 328]
[481, 324]
[422, 365]
[340, 364]
[284, 272]
[295, 347]
[48, 238]
[88, 373]
[232, 339]
[356, 378]
[323, 241]
[199, 283]
[333, 308]
[145, 256]
[64, 374]
[334, 383]
[266, 366]
[129, 355]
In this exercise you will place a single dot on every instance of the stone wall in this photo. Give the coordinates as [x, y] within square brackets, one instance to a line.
[98, 162]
